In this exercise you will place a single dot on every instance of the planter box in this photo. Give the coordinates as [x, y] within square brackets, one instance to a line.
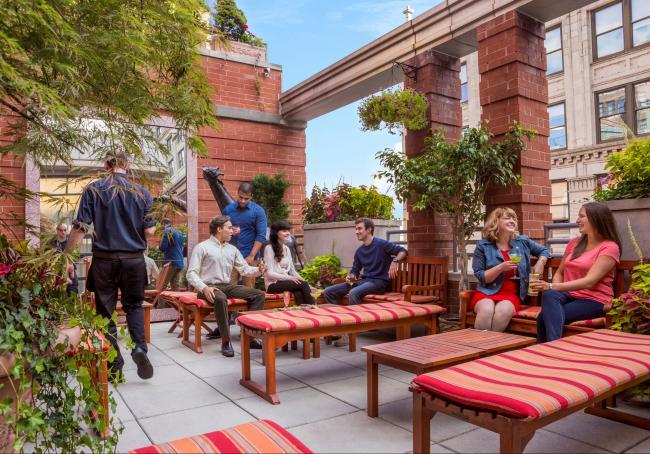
[638, 212]
[339, 238]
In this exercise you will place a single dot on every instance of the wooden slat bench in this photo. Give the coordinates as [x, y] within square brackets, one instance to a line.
[195, 311]
[525, 320]
[516, 393]
[261, 437]
[278, 328]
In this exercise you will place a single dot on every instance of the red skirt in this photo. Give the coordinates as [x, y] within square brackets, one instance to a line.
[509, 290]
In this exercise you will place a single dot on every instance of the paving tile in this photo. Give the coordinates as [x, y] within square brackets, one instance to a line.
[443, 427]
[353, 390]
[354, 432]
[155, 355]
[122, 412]
[161, 375]
[358, 359]
[297, 406]
[195, 421]
[396, 374]
[211, 367]
[132, 437]
[281, 358]
[149, 400]
[183, 354]
[600, 431]
[641, 448]
[481, 440]
[321, 370]
[165, 341]
[229, 386]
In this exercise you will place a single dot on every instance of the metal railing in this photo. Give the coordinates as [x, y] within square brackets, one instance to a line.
[550, 240]
[390, 233]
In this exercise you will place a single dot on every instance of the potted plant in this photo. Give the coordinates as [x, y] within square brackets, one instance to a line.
[329, 219]
[47, 397]
[626, 191]
[452, 178]
[321, 271]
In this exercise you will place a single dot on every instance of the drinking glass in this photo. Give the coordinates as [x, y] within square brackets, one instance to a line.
[516, 255]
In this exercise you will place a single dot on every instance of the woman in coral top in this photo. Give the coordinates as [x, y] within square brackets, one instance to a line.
[502, 283]
[583, 283]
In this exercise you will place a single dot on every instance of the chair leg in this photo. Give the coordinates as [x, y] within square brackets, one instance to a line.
[353, 342]
[305, 348]
[147, 324]
[421, 425]
[316, 352]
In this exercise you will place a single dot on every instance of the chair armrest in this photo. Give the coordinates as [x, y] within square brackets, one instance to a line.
[338, 280]
[407, 290]
[465, 302]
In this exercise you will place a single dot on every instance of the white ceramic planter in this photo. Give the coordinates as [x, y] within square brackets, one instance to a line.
[339, 238]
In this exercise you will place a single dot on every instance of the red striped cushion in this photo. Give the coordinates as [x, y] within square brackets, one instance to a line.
[254, 437]
[273, 296]
[542, 379]
[194, 301]
[593, 323]
[531, 312]
[175, 295]
[324, 317]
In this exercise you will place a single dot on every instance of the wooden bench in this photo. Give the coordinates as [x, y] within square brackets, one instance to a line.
[516, 393]
[262, 436]
[525, 319]
[278, 328]
[195, 311]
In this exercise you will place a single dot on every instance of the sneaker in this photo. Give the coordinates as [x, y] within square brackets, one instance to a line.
[342, 341]
[145, 369]
[215, 334]
[226, 350]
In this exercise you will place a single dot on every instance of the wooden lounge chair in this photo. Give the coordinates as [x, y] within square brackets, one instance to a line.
[516, 393]
[262, 436]
[277, 328]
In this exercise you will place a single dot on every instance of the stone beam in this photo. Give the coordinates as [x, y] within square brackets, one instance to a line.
[449, 28]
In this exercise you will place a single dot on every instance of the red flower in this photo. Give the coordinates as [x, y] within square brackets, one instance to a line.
[245, 26]
[4, 269]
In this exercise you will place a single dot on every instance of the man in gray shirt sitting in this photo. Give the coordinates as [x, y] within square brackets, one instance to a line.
[209, 273]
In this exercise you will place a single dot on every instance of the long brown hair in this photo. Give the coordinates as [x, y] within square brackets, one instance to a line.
[601, 219]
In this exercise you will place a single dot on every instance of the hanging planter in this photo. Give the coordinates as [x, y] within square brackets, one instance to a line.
[393, 109]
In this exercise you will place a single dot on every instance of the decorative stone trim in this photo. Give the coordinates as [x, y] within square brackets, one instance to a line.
[237, 113]
[591, 153]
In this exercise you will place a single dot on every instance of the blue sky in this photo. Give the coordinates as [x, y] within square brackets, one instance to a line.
[305, 36]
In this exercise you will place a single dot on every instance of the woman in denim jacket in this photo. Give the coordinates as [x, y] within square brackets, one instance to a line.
[497, 295]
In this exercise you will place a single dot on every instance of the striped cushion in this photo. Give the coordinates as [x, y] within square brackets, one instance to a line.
[593, 323]
[542, 379]
[394, 296]
[194, 301]
[169, 294]
[254, 437]
[324, 317]
[531, 312]
[273, 296]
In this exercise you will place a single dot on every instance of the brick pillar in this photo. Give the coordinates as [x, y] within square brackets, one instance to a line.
[12, 210]
[438, 78]
[512, 64]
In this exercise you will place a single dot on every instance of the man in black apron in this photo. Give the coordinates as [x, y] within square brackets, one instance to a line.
[118, 210]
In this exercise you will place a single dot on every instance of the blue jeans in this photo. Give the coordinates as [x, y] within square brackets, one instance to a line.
[560, 308]
[360, 289]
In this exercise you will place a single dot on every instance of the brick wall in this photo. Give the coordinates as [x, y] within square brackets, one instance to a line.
[12, 211]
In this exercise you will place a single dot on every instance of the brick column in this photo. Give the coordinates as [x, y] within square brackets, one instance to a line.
[438, 78]
[512, 64]
[12, 210]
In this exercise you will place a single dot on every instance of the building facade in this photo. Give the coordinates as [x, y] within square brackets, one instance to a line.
[598, 71]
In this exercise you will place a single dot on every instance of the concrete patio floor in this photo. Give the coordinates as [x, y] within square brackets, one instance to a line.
[323, 403]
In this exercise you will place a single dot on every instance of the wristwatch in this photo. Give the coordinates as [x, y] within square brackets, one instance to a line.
[550, 286]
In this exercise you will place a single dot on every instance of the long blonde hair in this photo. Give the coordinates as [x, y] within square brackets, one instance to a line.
[490, 230]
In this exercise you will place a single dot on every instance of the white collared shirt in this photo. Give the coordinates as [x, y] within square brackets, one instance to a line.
[212, 263]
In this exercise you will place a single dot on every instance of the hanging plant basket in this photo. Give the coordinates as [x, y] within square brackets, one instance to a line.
[393, 109]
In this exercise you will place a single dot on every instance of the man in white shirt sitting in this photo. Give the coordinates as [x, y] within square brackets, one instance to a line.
[209, 273]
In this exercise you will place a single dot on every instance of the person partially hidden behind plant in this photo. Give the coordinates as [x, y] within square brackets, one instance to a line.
[377, 258]
[502, 282]
[118, 209]
[583, 283]
[209, 272]
[281, 275]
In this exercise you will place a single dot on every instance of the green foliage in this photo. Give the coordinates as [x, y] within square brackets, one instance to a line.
[269, 193]
[452, 177]
[394, 108]
[346, 203]
[629, 176]
[35, 304]
[320, 271]
[231, 22]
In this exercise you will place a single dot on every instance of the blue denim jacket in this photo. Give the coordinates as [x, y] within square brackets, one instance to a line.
[488, 255]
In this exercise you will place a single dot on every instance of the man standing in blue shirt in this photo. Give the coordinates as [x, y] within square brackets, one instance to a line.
[249, 222]
[172, 245]
[377, 258]
[119, 210]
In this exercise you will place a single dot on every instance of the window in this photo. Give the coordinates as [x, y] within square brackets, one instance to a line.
[557, 124]
[560, 201]
[623, 107]
[553, 44]
[180, 158]
[621, 26]
[170, 164]
[464, 95]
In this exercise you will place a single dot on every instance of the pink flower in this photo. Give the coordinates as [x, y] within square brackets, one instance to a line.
[4, 269]
[245, 26]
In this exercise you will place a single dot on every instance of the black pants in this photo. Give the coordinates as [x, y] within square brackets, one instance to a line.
[129, 275]
[222, 292]
[301, 292]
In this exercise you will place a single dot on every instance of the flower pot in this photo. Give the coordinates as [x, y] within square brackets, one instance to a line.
[638, 212]
[339, 238]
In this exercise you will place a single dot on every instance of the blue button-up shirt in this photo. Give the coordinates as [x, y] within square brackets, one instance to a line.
[252, 221]
[172, 245]
[119, 212]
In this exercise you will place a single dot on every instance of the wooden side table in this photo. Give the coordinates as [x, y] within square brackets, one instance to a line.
[424, 354]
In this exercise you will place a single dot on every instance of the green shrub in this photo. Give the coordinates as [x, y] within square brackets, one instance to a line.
[269, 194]
[346, 203]
[322, 270]
[629, 176]
[231, 22]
